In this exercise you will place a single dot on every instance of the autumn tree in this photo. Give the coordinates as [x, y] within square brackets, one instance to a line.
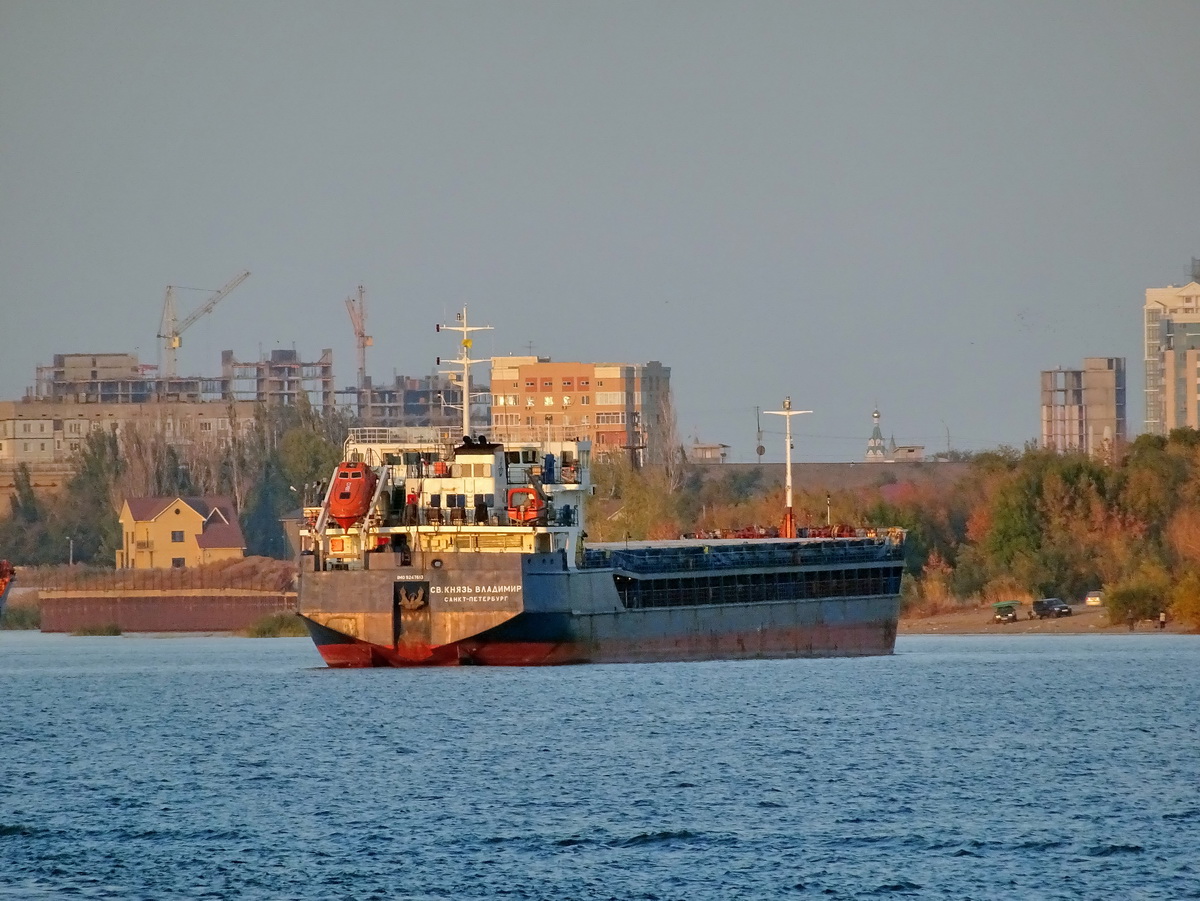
[1185, 599]
[1142, 596]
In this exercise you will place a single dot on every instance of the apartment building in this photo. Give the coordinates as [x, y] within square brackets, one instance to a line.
[1172, 355]
[46, 435]
[620, 407]
[1084, 409]
[78, 393]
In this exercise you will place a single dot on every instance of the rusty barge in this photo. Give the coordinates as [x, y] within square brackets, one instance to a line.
[431, 551]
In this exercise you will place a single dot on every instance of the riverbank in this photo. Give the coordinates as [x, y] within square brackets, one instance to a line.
[978, 621]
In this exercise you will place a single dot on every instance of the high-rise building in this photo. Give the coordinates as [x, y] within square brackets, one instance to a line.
[1172, 347]
[618, 406]
[1084, 409]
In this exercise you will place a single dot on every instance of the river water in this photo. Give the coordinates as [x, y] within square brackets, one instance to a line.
[961, 767]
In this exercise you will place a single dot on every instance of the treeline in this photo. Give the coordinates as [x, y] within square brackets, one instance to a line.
[267, 466]
[1020, 524]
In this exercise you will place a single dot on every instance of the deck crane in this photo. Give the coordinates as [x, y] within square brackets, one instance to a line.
[171, 331]
[357, 308]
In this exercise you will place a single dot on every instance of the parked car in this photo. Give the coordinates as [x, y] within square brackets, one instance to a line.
[1004, 612]
[1047, 607]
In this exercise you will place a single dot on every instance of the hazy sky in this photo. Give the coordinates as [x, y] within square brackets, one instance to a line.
[918, 205]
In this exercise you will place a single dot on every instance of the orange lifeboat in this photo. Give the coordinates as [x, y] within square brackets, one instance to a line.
[525, 505]
[351, 494]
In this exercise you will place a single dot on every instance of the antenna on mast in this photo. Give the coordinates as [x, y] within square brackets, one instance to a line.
[464, 361]
[788, 529]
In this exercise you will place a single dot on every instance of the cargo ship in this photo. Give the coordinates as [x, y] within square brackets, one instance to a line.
[429, 549]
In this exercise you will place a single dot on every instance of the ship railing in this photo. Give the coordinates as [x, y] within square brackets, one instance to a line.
[517, 435]
[408, 436]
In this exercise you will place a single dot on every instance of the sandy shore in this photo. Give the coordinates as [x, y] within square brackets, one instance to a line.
[978, 621]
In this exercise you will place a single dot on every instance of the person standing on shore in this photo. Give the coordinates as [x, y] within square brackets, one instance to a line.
[1162, 619]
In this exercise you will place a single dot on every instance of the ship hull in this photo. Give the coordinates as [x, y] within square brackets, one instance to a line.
[676, 601]
[859, 627]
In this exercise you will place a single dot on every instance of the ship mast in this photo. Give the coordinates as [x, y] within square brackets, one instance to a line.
[464, 360]
[788, 529]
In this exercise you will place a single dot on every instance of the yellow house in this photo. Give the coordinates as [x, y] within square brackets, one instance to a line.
[160, 532]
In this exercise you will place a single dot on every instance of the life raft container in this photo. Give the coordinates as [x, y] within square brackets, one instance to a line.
[525, 505]
[351, 494]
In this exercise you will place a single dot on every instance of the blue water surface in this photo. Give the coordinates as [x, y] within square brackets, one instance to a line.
[962, 767]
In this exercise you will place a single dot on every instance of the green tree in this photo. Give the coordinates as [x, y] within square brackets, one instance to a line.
[264, 506]
[1142, 596]
[88, 512]
[307, 457]
[646, 506]
[25, 505]
[26, 537]
[1185, 599]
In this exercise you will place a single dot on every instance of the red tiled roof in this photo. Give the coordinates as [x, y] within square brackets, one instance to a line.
[144, 509]
[220, 529]
[221, 534]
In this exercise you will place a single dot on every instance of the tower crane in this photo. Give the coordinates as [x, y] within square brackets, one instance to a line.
[171, 331]
[357, 308]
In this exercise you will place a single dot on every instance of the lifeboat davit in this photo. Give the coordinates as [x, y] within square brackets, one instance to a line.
[351, 494]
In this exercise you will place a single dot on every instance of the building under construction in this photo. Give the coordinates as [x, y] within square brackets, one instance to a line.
[432, 400]
[1084, 409]
[280, 378]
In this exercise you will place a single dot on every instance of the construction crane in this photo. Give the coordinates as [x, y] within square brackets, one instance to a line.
[357, 308]
[171, 331]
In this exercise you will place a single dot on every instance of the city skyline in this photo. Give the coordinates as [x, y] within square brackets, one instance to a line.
[916, 210]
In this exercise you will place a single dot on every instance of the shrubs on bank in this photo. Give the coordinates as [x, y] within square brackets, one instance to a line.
[102, 629]
[1185, 600]
[278, 625]
[22, 617]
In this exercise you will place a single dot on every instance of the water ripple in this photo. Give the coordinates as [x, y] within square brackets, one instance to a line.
[959, 768]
